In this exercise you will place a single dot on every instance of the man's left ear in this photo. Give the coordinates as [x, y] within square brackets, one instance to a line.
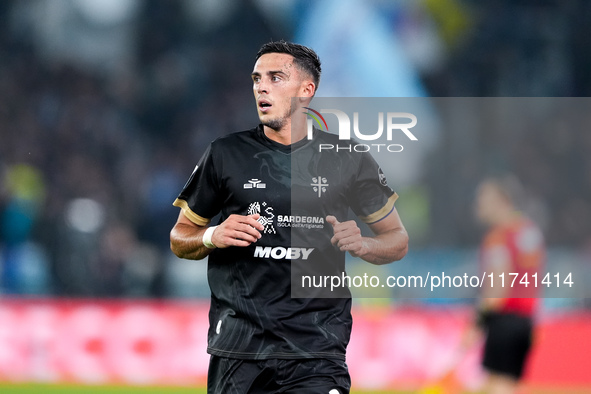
[309, 89]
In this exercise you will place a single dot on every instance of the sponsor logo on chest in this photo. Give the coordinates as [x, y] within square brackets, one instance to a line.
[281, 253]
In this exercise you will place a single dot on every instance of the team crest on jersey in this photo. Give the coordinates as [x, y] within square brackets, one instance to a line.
[267, 215]
[319, 184]
[255, 184]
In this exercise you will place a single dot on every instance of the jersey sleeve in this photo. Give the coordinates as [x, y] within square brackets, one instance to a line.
[200, 198]
[371, 198]
[495, 254]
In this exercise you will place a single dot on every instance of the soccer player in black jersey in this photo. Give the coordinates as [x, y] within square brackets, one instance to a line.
[283, 207]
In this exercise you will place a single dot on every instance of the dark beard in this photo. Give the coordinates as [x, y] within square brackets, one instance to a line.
[275, 124]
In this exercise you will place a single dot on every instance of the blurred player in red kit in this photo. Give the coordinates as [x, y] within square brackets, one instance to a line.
[512, 248]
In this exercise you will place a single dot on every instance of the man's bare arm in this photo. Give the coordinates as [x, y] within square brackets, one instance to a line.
[186, 237]
[389, 244]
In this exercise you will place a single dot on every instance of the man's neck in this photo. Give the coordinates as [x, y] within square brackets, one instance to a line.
[286, 135]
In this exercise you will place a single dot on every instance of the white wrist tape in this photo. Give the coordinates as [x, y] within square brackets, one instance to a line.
[207, 237]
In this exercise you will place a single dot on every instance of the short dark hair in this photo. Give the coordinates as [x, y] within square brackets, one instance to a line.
[305, 58]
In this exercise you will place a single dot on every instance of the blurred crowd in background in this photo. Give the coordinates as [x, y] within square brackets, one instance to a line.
[104, 112]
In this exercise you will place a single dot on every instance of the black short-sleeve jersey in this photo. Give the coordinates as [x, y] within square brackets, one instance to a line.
[255, 311]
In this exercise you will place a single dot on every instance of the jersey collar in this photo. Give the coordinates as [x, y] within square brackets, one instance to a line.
[280, 147]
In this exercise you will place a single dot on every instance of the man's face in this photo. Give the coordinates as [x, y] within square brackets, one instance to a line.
[275, 80]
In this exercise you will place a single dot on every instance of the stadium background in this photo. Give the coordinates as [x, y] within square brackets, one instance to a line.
[105, 106]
